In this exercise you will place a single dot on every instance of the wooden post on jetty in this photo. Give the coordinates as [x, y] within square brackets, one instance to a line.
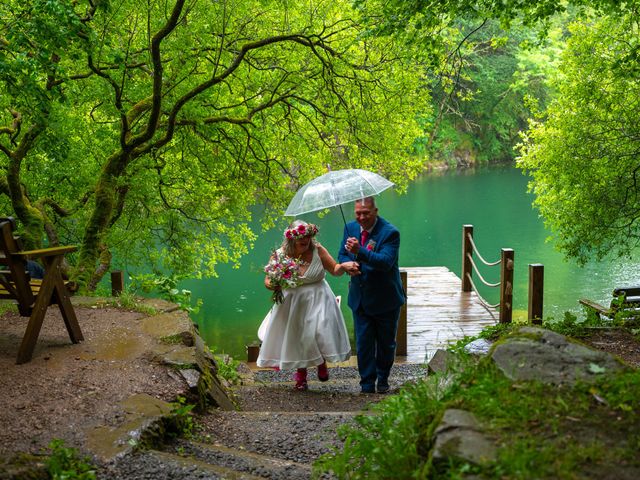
[401, 335]
[117, 283]
[506, 285]
[467, 252]
[253, 350]
[536, 290]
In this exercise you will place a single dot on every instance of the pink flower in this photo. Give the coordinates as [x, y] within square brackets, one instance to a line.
[301, 231]
[369, 247]
[283, 272]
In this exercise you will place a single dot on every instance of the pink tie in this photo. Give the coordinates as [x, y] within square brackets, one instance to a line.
[365, 237]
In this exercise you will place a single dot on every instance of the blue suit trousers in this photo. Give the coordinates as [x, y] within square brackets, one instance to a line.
[376, 346]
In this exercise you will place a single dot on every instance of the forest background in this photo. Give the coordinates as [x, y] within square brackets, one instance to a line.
[147, 130]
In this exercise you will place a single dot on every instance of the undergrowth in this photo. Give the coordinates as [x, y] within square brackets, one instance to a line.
[166, 286]
[64, 463]
[539, 430]
[180, 421]
[158, 284]
[228, 368]
[392, 442]
[581, 326]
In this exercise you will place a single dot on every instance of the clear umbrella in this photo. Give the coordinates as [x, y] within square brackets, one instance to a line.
[335, 188]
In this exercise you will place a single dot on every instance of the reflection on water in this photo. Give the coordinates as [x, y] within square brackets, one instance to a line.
[430, 218]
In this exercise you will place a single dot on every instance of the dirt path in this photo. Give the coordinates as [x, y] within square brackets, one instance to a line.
[67, 388]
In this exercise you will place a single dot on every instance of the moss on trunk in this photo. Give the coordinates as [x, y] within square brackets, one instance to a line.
[88, 271]
[30, 217]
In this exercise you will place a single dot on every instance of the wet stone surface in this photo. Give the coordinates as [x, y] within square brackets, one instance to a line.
[277, 423]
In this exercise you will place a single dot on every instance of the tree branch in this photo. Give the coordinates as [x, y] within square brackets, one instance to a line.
[118, 100]
[246, 48]
[156, 58]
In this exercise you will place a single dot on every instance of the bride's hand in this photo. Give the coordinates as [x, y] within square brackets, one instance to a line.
[352, 268]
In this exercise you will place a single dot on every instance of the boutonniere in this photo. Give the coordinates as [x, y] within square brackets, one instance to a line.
[371, 244]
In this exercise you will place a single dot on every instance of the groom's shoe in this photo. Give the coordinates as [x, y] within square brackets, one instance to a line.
[366, 389]
[384, 388]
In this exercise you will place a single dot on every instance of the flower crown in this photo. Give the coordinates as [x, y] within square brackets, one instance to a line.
[301, 231]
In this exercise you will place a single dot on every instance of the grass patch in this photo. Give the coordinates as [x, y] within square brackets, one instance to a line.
[392, 442]
[7, 306]
[176, 339]
[126, 300]
[130, 301]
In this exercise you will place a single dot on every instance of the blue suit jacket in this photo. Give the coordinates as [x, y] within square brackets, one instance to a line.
[378, 289]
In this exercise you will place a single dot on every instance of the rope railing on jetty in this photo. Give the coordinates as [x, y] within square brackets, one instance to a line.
[506, 263]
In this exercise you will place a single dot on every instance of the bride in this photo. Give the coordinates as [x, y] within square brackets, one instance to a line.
[308, 328]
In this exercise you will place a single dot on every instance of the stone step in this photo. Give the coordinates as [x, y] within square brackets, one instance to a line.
[299, 437]
[320, 397]
[160, 465]
[269, 390]
[346, 378]
[201, 466]
[242, 460]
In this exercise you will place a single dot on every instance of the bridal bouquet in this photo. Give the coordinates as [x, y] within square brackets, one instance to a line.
[283, 272]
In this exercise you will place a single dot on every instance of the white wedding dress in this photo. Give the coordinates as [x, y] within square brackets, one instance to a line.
[307, 328]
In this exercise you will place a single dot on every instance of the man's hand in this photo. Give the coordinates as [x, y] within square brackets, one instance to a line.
[351, 268]
[352, 246]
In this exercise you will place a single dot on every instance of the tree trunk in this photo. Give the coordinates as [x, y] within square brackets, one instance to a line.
[88, 272]
[104, 263]
[29, 216]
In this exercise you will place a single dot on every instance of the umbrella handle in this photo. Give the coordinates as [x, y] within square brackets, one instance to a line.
[345, 226]
[343, 219]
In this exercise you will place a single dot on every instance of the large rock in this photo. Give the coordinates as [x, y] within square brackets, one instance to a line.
[175, 327]
[479, 347]
[537, 354]
[209, 385]
[191, 377]
[176, 356]
[459, 437]
[442, 361]
[141, 423]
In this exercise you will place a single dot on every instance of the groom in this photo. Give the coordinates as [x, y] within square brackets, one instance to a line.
[376, 294]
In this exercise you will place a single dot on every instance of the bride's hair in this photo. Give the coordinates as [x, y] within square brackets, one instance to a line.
[288, 244]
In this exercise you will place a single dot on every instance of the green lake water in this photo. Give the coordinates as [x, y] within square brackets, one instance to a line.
[430, 218]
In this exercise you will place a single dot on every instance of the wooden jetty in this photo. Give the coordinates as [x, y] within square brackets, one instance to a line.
[439, 312]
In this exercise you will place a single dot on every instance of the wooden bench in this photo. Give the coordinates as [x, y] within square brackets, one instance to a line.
[625, 299]
[33, 296]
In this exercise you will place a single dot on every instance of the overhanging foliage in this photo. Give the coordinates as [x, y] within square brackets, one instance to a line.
[148, 130]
